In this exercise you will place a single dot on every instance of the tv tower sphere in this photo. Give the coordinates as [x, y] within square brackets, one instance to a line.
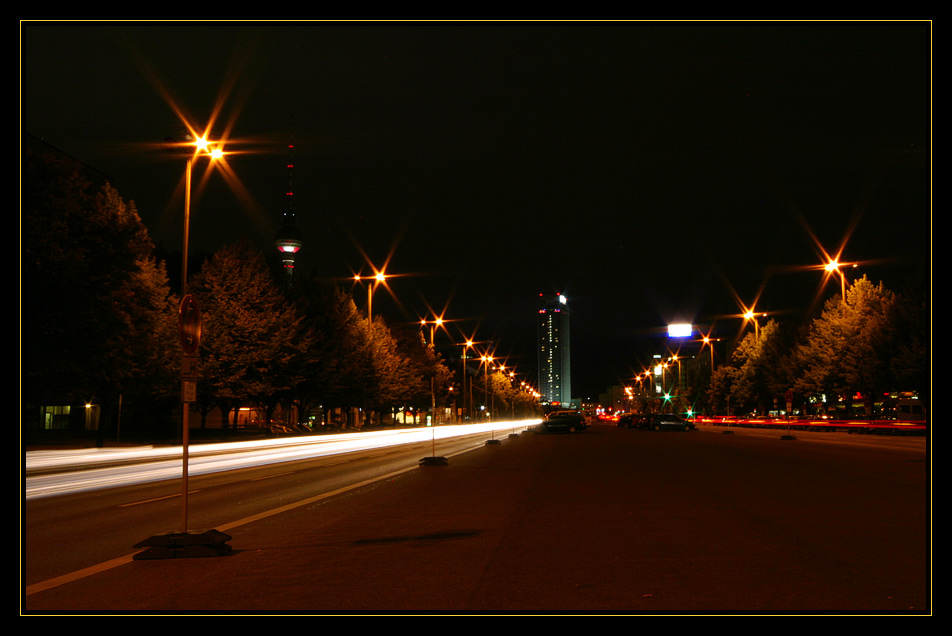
[289, 239]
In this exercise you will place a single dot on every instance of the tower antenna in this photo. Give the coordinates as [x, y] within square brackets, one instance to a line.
[289, 241]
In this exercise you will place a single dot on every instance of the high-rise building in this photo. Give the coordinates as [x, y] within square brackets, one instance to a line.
[555, 375]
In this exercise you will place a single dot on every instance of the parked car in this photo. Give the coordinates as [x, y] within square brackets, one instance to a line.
[633, 420]
[569, 421]
[669, 421]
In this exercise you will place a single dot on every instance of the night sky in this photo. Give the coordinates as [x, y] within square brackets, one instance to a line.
[647, 170]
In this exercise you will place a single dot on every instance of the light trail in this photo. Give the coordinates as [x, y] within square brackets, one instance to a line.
[51, 473]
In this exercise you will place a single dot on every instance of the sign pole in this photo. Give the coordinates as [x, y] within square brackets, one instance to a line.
[183, 544]
[190, 334]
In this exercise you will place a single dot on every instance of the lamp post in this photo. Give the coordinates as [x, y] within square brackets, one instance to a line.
[210, 542]
[710, 343]
[834, 267]
[433, 460]
[190, 351]
[750, 315]
[204, 148]
[486, 360]
[375, 280]
[467, 397]
[677, 359]
[433, 325]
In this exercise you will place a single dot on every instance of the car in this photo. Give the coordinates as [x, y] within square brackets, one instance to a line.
[569, 421]
[668, 421]
[634, 420]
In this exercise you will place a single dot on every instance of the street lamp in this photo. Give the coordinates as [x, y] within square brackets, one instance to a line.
[833, 267]
[438, 322]
[710, 344]
[677, 359]
[467, 397]
[203, 148]
[659, 370]
[375, 280]
[486, 360]
[751, 316]
[212, 542]
[433, 325]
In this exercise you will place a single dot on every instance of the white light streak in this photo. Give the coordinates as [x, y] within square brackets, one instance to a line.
[50, 473]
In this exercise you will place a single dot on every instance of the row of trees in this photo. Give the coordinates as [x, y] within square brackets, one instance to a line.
[99, 321]
[502, 397]
[305, 347]
[96, 310]
[872, 342]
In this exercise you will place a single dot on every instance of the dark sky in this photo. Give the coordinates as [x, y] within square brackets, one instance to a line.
[647, 170]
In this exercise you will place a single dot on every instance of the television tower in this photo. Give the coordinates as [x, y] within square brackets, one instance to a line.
[288, 241]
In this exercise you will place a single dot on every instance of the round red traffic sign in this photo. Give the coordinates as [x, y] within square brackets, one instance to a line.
[190, 324]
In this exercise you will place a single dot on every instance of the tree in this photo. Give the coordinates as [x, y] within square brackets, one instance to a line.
[910, 353]
[94, 300]
[722, 387]
[338, 371]
[153, 360]
[755, 360]
[253, 342]
[503, 395]
[429, 379]
[842, 354]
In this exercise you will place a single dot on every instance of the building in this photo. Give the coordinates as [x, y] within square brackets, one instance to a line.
[555, 369]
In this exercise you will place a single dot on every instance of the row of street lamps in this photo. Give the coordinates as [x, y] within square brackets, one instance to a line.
[832, 268]
[486, 361]
[196, 147]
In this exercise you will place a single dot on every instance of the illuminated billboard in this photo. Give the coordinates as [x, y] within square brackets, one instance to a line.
[681, 330]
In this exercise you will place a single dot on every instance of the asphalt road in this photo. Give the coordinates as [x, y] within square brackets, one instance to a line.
[79, 529]
[606, 521]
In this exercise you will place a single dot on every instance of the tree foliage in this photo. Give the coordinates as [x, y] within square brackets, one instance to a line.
[873, 342]
[338, 361]
[95, 304]
[760, 368]
[100, 320]
[844, 351]
[253, 344]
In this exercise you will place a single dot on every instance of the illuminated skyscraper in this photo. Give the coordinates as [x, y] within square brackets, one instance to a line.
[555, 376]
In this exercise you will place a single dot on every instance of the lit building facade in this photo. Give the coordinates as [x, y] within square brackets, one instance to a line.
[555, 376]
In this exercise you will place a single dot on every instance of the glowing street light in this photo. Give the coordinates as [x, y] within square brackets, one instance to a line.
[202, 148]
[467, 344]
[438, 322]
[486, 360]
[467, 404]
[375, 280]
[209, 542]
[834, 267]
[750, 316]
[709, 342]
